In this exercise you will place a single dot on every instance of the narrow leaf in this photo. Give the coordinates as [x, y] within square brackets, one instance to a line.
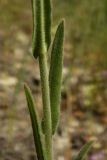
[47, 21]
[55, 74]
[35, 125]
[84, 151]
[38, 27]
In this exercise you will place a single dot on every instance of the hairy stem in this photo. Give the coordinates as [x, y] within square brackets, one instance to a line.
[46, 104]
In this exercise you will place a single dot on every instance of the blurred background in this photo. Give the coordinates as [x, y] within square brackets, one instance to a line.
[84, 89]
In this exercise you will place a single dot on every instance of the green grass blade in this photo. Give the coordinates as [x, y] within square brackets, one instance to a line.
[55, 74]
[38, 27]
[37, 133]
[47, 21]
[84, 151]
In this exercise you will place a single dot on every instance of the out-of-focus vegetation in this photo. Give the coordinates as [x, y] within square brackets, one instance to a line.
[86, 23]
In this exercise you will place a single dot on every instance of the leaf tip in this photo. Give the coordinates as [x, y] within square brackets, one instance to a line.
[25, 86]
[62, 24]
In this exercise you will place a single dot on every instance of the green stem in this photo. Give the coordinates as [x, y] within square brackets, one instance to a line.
[44, 83]
[46, 104]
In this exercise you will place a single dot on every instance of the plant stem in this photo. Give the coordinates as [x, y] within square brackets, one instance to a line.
[45, 83]
[46, 103]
